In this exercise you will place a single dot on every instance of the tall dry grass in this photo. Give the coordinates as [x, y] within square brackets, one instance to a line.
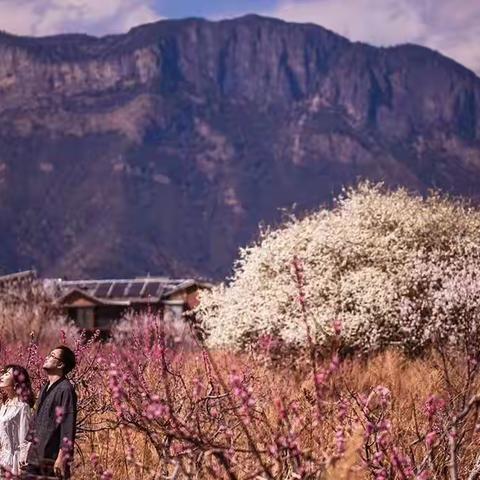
[411, 382]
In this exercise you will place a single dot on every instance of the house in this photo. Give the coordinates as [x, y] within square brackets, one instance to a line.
[98, 304]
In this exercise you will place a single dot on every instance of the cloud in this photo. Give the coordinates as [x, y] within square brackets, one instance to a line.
[48, 17]
[453, 28]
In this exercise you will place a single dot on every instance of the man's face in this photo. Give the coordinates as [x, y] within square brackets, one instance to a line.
[53, 360]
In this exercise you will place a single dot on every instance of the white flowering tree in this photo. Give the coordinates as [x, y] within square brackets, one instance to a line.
[392, 267]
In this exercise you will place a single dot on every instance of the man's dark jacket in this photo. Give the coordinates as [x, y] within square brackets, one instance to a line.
[52, 425]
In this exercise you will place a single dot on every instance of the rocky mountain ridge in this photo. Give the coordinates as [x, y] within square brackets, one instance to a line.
[161, 150]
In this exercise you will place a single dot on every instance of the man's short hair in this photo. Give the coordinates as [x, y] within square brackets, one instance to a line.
[67, 357]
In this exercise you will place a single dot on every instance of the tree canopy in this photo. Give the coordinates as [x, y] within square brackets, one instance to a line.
[393, 267]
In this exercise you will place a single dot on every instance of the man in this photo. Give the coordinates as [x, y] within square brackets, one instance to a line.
[53, 427]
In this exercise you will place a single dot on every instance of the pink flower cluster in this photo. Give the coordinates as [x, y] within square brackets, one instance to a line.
[243, 392]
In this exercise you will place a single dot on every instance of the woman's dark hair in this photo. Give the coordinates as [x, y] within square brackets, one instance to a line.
[22, 383]
[67, 358]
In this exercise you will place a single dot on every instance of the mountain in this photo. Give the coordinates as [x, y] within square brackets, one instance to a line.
[161, 150]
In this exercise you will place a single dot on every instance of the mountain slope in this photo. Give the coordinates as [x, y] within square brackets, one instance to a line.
[162, 149]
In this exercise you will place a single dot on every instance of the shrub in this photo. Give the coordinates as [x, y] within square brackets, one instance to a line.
[395, 268]
[27, 309]
[143, 328]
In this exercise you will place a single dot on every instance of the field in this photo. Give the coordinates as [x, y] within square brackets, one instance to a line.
[155, 406]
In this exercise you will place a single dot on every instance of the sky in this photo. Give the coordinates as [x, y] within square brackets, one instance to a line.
[449, 26]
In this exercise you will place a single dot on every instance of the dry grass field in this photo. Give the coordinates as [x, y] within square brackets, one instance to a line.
[221, 415]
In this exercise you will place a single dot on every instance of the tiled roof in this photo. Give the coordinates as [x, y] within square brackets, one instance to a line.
[125, 291]
[27, 275]
[109, 291]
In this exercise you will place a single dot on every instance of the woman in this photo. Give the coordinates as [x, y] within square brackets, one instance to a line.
[15, 415]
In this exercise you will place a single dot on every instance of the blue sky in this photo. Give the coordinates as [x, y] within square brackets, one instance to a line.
[212, 8]
[450, 26]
